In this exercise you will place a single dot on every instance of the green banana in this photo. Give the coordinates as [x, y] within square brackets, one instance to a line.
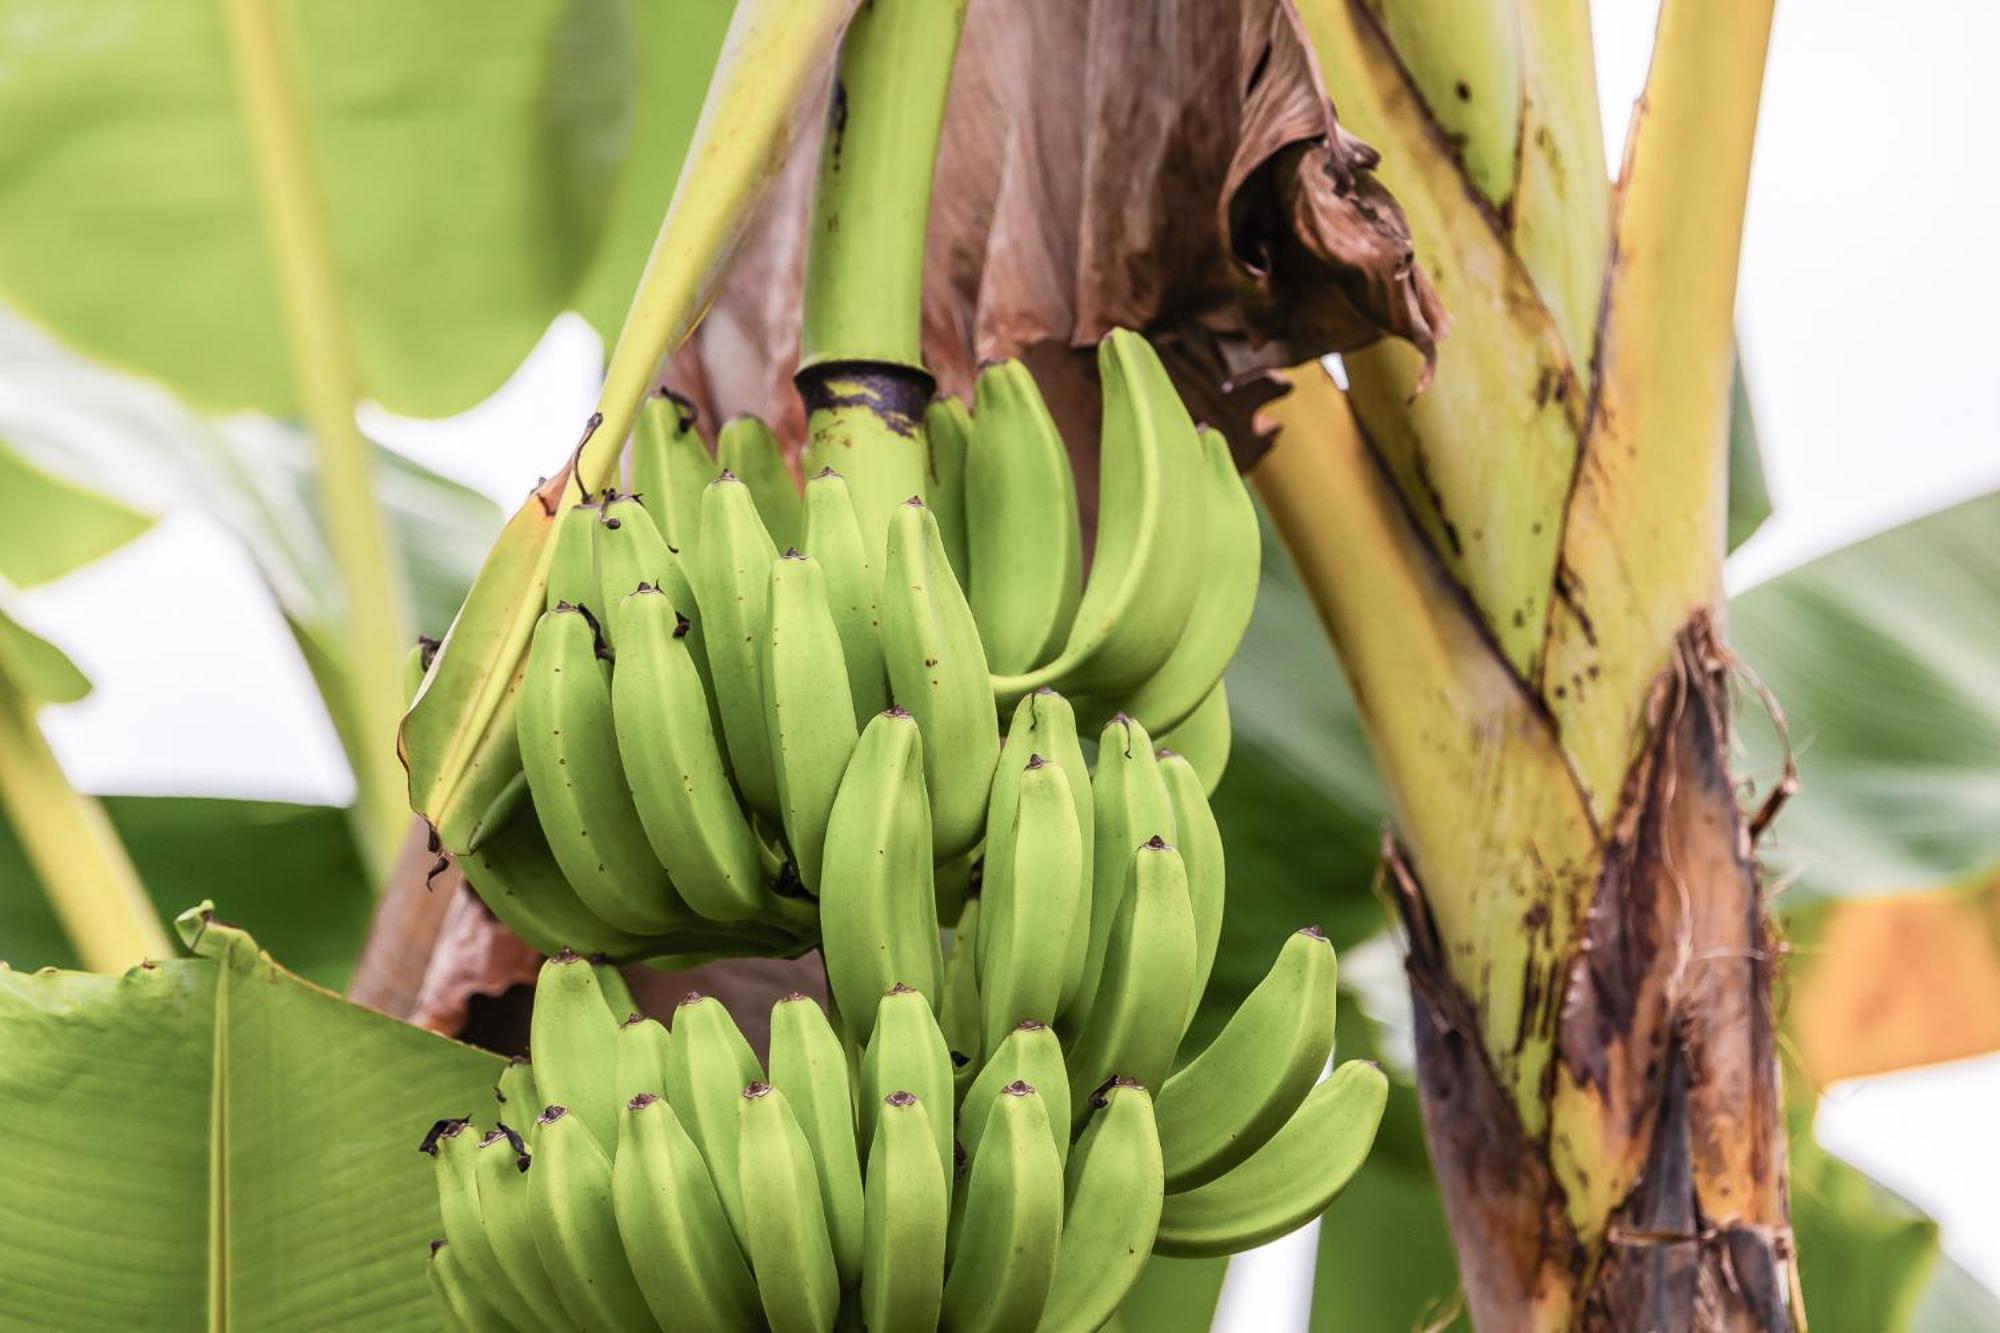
[808, 714]
[1232, 559]
[832, 536]
[670, 466]
[1145, 572]
[642, 1057]
[906, 1053]
[576, 1229]
[1111, 1211]
[1200, 845]
[810, 1068]
[1290, 1180]
[1005, 1258]
[674, 765]
[612, 986]
[631, 554]
[1141, 1010]
[573, 567]
[937, 670]
[877, 905]
[516, 1091]
[1131, 804]
[958, 1011]
[569, 749]
[907, 1212]
[1228, 1101]
[1202, 738]
[516, 875]
[507, 1214]
[573, 1036]
[676, 1237]
[747, 448]
[1029, 913]
[454, 1289]
[730, 570]
[1023, 538]
[948, 429]
[454, 1146]
[785, 1232]
[708, 1064]
[1030, 1054]
[1045, 724]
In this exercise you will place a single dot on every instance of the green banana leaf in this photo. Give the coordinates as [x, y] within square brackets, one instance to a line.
[465, 152]
[289, 873]
[49, 525]
[1881, 656]
[37, 668]
[1749, 497]
[210, 1142]
[1172, 1296]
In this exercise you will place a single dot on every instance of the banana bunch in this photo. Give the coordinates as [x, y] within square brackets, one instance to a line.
[721, 657]
[673, 1182]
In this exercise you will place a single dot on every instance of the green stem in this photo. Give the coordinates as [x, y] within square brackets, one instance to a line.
[73, 849]
[861, 359]
[373, 601]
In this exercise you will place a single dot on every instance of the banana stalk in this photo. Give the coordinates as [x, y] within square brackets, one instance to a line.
[1520, 567]
[374, 602]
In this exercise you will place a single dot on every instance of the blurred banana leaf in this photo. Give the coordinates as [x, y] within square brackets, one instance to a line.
[1172, 1296]
[1881, 656]
[211, 1142]
[466, 152]
[1749, 497]
[50, 525]
[290, 873]
[37, 668]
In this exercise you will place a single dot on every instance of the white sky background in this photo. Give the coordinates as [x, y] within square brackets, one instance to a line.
[1870, 278]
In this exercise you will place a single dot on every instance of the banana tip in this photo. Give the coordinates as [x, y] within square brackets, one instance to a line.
[1156, 843]
[1020, 1087]
[551, 1115]
[900, 1098]
[641, 1102]
[755, 1090]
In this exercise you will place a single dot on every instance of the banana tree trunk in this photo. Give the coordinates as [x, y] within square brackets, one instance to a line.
[1518, 555]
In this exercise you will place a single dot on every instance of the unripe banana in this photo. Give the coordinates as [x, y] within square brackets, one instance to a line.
[505, 1211]
[808, 717]
[877, 907]
[674, 767]
[906, 1053]
[908, 1210]
[458, 1303]
[1232, 559]
[958, 1011]
[1145, 572]
[631, 554]
[937, 670]
[747, 447]
[1290, 1180]
[520, 1100]
[670, 466]
[1023, 537]
[454, 1146]
[1202, 738]
[573, 567]
[576, 1229]
[1030, 1054]
[1111, 1211]
[832, 536]
[1131, 805]
[730, 569]
[948, 429]
[676, 1236]
[612, 986]
[1005, 1258]
[810, 1068]
[708, 1064]
[1200, 845]
[1135, 1026]
[1029, 913]
[785, 1231]
[516, 875]
[1228, 1101]
[642, 1057]
[569, 749]
[1045, 724]
[573, 1036]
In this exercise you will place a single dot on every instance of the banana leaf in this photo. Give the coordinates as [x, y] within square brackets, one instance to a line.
[210, 1142]
[466, 152]
[49, 525]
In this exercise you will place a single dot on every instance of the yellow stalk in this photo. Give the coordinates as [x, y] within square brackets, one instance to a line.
[75, 853]
[373, 613]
